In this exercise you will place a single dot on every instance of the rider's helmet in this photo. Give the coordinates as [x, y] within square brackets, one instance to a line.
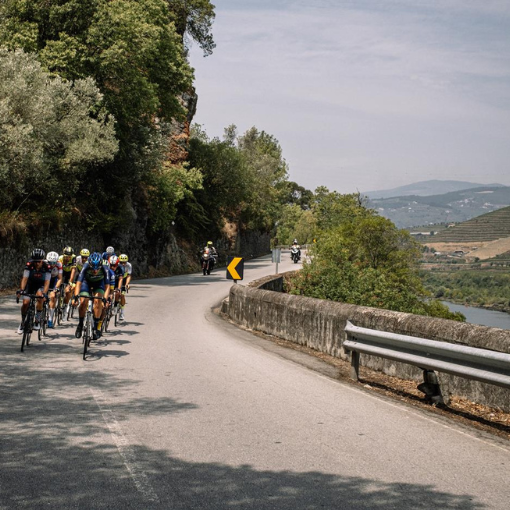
[52, 258]
[209, 243]
[114, 261]
[110, 250]
[85, 253]
[38, 254]
[95, 261]
[295, 241]
[123, 257]
[68, 250]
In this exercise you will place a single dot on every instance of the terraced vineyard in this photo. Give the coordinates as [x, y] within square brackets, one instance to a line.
[488, 227]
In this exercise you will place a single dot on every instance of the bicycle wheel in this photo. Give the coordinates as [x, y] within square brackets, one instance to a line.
[106, 321]
[86, 335]
[27, 328]
[44, 321]
[26, 332]
[58, 309]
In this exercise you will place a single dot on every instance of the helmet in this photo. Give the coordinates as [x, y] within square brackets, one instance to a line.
[209, 243]
[84, 252]
[110, 250]
[95, 261]
[38, 254]
[52, 257]
[123, 257]
[114, 261]
[68, 250]
[295, 241]
[106, 263]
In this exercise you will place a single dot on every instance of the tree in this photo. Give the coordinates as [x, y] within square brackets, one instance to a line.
[129, 47]
[51, 132]
[267, 170]
[194, 17]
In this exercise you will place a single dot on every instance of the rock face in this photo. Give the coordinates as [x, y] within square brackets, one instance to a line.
[178, 151]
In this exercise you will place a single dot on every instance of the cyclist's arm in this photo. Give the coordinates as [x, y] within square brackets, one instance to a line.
[77, 288]
[59, 280]
[24, 281]
[73, 275]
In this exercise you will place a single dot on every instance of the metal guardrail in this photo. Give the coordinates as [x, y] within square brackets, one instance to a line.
[468, 362]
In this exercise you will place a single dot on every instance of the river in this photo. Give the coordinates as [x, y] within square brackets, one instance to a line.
[481, 315]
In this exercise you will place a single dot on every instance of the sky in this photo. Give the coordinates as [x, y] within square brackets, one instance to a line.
[365, 95]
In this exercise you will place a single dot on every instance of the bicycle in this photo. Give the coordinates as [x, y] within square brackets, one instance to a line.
[107, 318]
[43, 322]
[88, 325]
[59, 307]
[28, 323]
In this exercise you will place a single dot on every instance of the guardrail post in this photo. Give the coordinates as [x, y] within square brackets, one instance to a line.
[354, 362]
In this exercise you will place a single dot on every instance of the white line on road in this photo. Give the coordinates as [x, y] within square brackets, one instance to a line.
[139, 477]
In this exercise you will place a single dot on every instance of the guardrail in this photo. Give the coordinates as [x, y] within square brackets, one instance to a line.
[429, 355]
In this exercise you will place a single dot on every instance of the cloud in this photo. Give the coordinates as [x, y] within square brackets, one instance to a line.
[386, 90]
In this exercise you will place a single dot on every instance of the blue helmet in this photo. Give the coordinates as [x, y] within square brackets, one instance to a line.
[95, 261]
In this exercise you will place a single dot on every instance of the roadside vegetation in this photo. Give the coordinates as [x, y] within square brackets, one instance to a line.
[360, 258]
[483, 288]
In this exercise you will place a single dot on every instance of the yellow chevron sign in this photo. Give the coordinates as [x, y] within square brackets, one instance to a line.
[235, 268]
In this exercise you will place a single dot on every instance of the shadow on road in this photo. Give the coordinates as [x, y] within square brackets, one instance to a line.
[57, 451]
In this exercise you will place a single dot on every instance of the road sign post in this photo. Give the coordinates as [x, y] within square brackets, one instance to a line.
[276, 254]
[235, 268]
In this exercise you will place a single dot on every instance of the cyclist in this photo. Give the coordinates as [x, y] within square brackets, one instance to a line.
[68, 261]
[81, 260]
[55, 267]
[116, 274]
[92, 281]
[35, 280]
[128, 269]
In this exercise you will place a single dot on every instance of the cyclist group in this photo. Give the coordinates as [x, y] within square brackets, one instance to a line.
[105, 276]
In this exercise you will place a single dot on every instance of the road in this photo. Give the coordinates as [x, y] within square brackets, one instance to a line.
[178, 409]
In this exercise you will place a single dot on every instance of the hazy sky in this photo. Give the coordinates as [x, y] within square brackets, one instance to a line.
[365, 94]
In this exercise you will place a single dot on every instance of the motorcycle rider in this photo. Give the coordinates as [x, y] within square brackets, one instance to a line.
[209, 253]
[295, 247]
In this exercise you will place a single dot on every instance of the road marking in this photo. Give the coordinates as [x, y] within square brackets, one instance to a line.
[126, 451]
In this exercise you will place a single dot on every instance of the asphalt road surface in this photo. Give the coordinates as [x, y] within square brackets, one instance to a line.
[178, 409]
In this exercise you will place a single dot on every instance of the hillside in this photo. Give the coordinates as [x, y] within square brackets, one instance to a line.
[488, 227]
[455, 206]
[427, 188]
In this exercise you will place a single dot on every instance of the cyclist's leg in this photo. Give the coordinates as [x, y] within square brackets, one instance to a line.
[122, 302]
[82, 310]
[38, 308]
[98, 309]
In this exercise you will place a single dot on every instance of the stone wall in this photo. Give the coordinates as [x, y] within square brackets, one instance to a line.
[319, 324]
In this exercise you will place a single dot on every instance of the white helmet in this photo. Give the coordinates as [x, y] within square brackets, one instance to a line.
[110, 250]
[52, 257]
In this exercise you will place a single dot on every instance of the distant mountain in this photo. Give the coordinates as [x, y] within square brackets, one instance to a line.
[456, 206]
[427, 188]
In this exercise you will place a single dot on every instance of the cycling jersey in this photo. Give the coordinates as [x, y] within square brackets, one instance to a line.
[68, 264]
[79, 263]
[36, 277]
[56, 271]
[93, 282]
[128, 268]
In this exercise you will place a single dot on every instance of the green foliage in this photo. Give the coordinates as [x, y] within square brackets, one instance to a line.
[295, 223]
[195, 17]
[363, 259]
[267, 173]
[51, 133]
[129, 47]
[482, 287]
[166, 188]
[244, 178]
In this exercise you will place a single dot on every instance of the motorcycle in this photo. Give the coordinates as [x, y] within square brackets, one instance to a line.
[208, 260]
[295, 254]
